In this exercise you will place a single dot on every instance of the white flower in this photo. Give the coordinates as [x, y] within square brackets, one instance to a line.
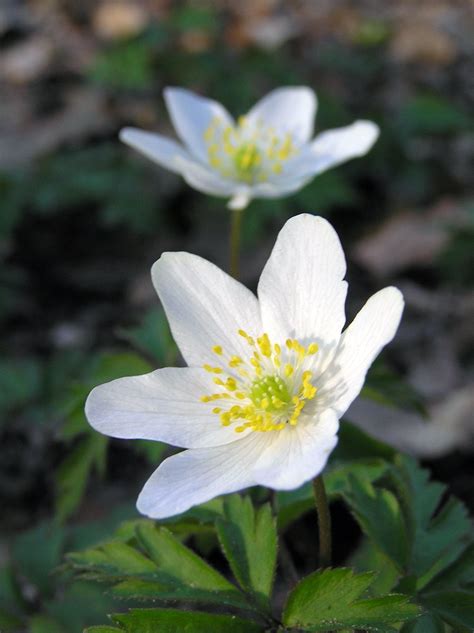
[268, 378]
[268, 153]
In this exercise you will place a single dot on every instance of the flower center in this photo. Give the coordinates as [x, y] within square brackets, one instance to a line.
[248, 152]
[267, 389]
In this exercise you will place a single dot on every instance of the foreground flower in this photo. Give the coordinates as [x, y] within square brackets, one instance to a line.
[268, 153]
[268, 378]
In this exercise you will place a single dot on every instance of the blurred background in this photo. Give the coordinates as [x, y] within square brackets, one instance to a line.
[82, 218]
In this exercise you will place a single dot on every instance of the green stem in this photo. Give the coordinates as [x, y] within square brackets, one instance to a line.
[235, 225]
[324, 521]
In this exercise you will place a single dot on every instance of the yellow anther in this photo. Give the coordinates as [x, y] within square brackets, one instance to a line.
[212, 370]
[312, 348]
[260, 398]
[235, 361]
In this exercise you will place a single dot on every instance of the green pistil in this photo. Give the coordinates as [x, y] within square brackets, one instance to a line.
[272, 389]
[247, 159]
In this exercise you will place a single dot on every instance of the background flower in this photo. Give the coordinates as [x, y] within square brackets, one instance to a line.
[267, 380]
[268, 153]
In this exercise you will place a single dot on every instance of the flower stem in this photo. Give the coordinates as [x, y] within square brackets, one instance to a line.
[235, 225]
[324, 521]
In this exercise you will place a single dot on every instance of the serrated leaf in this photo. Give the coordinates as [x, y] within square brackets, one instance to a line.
[424, 624]
[438, 534]
[166, 570]
[328, 600]
[292, 504]
[112, 561]
[369, 504]
[178, 561]
[454, 607]
[173, 621]
[458, 575]
[249, 541]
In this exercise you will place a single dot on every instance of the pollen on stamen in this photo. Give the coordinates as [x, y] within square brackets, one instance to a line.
[269, 394]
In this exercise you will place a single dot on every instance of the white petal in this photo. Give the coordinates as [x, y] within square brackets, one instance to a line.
[196, 476]
[205, 179]
[297, 454]
[163, 405]
[288, 110]
[159, 149]
[301, 290]
[205, 307]
[191, 116]
[240, 200]
[278, 188]
[374, 327]
[332, 148]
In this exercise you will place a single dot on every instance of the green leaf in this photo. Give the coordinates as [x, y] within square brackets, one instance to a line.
[439, 533]
[356, 444]
[164, 570]
[125, 65]
[458, 575]
[431, 114]
[388, 388]
[153, 336]
[10, 623]
[37, 552]
[173, 621]
[292, 504]
[328, 600]
[177, 560]
[424, 624]
[249, 541]
[454, 607]
[102, 629]
[368, 504]
[44, 624]
[73, 474]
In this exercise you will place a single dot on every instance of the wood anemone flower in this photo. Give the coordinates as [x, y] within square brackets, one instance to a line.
[267, 379]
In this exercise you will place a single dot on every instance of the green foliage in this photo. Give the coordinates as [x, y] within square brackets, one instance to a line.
[388, 388]
[432, 114]
[427, 539]
[20, 381]
[153, 337]
[125, 65]
[248, 539]
[293, 504]
[173, 621]
[330, 600]
[90, 450]
[424, 624]
[456, 261]
[104, 177]
[33, 597]
[368, 504]
[154, 565]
